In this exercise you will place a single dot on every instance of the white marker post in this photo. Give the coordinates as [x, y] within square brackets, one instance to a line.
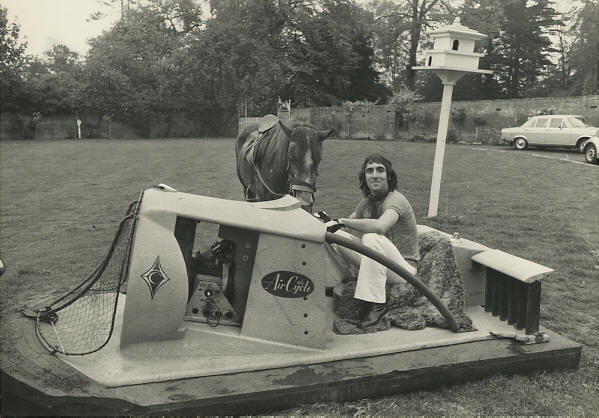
[78, 128]
[452, 56]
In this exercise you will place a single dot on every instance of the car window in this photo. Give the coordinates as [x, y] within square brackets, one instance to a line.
[555, 122]
[578, 122]
[541, 122]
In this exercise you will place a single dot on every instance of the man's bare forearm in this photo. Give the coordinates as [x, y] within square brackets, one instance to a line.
[364, 225]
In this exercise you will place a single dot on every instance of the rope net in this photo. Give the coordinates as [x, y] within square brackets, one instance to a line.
[81, 321]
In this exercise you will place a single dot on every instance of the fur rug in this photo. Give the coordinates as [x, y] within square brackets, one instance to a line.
[408, 308]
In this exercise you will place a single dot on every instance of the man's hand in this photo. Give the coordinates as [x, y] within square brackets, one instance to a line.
[331, 224]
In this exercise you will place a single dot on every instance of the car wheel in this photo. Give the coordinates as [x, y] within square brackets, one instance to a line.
[582, 144]
[520, 144]
[590, 154]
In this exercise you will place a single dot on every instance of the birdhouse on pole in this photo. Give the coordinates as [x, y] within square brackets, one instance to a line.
[453, 53]
[452, 56]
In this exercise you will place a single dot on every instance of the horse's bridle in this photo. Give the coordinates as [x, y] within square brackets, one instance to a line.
[293, 185]
[304, 187]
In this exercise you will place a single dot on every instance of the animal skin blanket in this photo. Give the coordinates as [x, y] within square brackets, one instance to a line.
[408, 308]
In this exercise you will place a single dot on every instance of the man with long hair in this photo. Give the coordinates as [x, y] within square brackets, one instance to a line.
[386, 219]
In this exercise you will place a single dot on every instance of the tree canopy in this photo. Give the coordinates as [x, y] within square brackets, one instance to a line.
[584, 50]
[12, 63]
[215, 57]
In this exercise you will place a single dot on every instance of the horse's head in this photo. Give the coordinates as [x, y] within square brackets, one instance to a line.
[304, 155]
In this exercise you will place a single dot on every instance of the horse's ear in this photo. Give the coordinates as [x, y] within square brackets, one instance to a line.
[322, 135]
[286, 129]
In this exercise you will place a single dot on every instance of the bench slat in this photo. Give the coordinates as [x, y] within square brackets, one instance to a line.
[519, 268]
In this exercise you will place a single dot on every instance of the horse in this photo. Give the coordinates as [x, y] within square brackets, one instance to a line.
[278, 157]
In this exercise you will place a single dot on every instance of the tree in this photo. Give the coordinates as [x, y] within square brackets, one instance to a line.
[176, 16]
[61, 59]
[484, 16]
[134, 71]
[238, 57]
[365, 81]
[584, 53]
[564, 67]
[314, 53]
[403, 101]
[53, 83]
[400, 27]
[322, 56]
[125, 8]
[523, 46]
[329, 47]
[389, 29]
[12, 62]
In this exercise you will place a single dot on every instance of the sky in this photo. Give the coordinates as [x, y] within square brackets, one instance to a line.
[47, 22]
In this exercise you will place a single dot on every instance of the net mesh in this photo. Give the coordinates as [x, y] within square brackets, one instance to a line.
[81, 321]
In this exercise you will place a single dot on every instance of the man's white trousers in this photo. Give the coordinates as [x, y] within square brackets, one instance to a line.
[372, 276]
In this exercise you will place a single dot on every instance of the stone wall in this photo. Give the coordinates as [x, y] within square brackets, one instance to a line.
[175, 125]
[372, 122]
[471, 121]
[14, 126]
[368, 122]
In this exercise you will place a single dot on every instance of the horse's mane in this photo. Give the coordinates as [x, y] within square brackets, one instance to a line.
[272, 150]
[274, 144]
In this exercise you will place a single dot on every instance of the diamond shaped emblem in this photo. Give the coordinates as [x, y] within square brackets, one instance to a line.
[155, 277]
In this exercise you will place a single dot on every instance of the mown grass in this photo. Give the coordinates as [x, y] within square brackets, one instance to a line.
[61, 201]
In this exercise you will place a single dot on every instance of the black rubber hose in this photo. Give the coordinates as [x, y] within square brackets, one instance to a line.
[332, 238]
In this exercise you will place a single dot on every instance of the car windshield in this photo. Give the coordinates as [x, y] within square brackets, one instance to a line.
[528, 123]
[578, 122]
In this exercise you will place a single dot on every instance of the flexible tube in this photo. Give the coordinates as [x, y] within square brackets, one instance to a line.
[358, 247]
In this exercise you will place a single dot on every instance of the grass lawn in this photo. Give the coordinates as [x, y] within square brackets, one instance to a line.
[61, 201]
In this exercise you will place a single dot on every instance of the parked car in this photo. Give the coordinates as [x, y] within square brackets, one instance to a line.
[590, 150]
[551, 131]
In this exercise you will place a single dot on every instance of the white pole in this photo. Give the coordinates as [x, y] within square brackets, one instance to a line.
[433, 203]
